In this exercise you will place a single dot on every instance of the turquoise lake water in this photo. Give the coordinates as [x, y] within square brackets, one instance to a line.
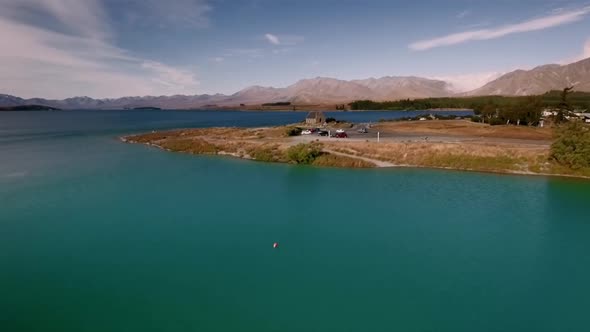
[98, 235]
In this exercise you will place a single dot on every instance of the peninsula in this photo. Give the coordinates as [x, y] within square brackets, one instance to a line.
[447, 144]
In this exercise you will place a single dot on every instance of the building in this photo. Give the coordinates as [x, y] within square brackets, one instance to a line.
[315, 118]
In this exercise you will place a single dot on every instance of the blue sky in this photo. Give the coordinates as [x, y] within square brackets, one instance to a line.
[113, 48]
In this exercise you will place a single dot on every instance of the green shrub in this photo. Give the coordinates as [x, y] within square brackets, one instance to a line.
[266, 153]
[263, 155]
[304, 153]
[572, 147]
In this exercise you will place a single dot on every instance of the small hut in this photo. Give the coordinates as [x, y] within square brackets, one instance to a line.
[315, 118]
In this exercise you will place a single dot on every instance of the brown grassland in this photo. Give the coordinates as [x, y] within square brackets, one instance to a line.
[503, 149]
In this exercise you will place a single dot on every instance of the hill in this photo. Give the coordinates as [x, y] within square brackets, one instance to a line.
[539, 80]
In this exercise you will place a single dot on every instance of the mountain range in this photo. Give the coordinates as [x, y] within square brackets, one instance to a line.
[326, 91]
[539, 80]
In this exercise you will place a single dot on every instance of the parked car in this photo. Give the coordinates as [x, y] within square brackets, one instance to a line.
[363, 130]
[323, 133]
[341, 135]
[306, 132]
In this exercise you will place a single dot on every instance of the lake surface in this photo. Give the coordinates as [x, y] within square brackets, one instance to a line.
[98, 235]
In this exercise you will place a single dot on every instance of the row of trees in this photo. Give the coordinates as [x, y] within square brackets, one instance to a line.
[552, 99]
[495, 109]
[527, 111]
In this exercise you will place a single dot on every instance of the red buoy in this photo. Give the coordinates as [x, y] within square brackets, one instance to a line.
[275, 245]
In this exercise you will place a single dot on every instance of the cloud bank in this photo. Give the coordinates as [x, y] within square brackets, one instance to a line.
[272, 39]
[285, 40]
[467, 82]
[65, 48]
[536, 24]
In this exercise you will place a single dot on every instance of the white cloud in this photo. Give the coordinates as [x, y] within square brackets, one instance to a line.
[81, 18]
[169, 76]
[286, 40]
[546, 22]
[218, 59]
[467, 82]
[272, 39]
[463, 14]
[76, 55]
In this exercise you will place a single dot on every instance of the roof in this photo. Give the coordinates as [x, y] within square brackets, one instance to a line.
[314, 115]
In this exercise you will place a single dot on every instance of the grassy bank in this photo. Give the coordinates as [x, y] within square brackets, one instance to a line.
[487, 150]
[265, 145]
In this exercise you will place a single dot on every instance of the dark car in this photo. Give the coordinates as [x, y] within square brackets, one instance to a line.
[341, 135]
[323, 133]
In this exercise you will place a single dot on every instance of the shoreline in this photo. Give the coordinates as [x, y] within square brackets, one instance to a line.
[404, 166]
[495, 155]
[303, 108]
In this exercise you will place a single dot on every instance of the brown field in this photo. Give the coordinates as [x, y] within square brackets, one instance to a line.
[497, 158]
[465, 128]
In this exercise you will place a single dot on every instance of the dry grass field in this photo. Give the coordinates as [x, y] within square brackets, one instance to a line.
[504, 149]
[465, 128]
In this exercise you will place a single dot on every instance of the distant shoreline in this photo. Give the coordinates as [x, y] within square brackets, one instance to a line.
[229, 109]
[324, 108]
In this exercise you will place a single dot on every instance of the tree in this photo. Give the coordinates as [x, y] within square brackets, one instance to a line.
[564, 109]
[529, 111]
[488, 112]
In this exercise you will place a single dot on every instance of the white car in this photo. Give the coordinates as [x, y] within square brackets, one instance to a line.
[339, 131]
[306, 132]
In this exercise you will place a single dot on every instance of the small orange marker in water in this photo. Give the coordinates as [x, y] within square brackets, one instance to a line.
[275, 245]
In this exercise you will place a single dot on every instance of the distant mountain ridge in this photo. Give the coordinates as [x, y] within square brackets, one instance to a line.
[326, 91]
[319, 90]
[539, 80]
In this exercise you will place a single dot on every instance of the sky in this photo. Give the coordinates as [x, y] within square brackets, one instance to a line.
[115, 48]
